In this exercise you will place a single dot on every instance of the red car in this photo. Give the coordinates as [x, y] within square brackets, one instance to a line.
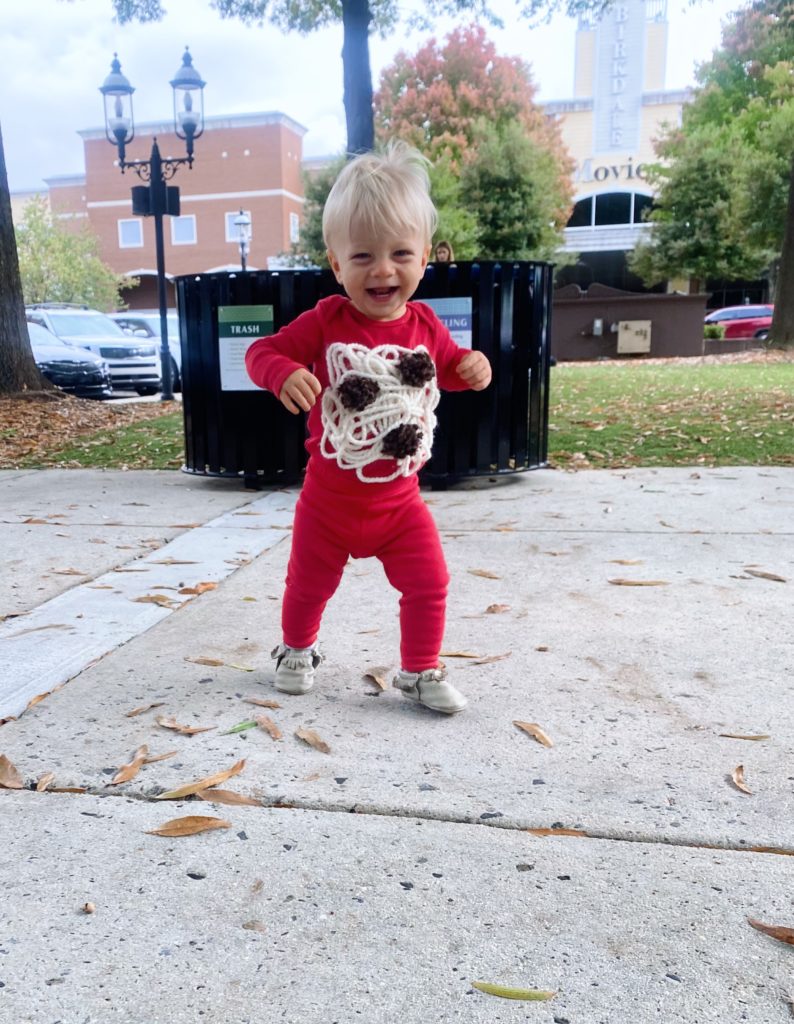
[743, 321]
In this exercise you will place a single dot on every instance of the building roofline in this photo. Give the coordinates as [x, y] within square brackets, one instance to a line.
[64, 180]
[211, 123]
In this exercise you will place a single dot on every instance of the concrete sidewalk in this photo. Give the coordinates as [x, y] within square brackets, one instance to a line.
[302, 911]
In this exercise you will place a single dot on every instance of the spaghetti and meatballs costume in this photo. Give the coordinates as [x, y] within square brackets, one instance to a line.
[370, 432]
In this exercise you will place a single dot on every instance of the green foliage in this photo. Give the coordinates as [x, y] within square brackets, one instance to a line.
[457, 222]
[316, 187]
[59, 265]
[714, 331]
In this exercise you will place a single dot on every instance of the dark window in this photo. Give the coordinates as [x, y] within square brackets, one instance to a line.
[582, 216]
[613, 208]
[641, 204]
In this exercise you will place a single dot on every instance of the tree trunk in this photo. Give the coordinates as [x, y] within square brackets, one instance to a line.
[782, 330]
[18, 371]
[356, 17]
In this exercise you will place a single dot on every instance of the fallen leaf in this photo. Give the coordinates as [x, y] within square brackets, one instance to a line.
[459, 654]
[557, 832]
[739, 736]
[248, 723]
[9, 776]
[254, 926]
[262, 703]
[492, 657]
[226, 796]
[190, 825]
[497, 609]
[140, 710]
[37, 699]
[485, 573]
[207, 783]
[160, 757]
[310, 736]
[162, 599]
[535, 732]
[512, 993]
[241, 668]
[542, 647]
[214, 662]
[185, 730]
[67, 789]
[775, 931]
[377, 676]
[171, 561]
[269, 726]
[127, 570]
[199, 588]
[639, 583]
[258, 885]
[44, 781]
[37, 629]
[69, 572]
[626, 561]
[32, 520]
[737, 778]
[765, 575]
[129, 771]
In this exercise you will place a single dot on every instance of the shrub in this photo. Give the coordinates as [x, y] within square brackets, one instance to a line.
[714, 331]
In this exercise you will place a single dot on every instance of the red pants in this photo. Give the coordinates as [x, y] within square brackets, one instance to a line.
[399, 530]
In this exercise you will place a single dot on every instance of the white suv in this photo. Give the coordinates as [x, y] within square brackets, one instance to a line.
[134, 364]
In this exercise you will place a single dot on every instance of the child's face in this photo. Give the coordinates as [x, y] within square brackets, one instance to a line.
[379, 273]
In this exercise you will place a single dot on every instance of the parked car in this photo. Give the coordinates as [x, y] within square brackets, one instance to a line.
[72, 369]
[743, 321]
[133, 363]
[146, 324]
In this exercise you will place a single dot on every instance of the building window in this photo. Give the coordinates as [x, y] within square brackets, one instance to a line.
[582, 216]
[641, 204]
[232, 231]
[183, 230]
[294, 227]
[130, 234]
[610, 208]
[613, 208]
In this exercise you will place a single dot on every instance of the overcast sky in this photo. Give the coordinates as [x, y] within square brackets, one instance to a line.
[54, 55]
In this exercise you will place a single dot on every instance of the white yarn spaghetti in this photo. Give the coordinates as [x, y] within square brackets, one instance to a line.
[354, 438]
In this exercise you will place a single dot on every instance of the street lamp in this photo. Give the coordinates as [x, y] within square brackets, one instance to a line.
[156, 199]
[243, 224]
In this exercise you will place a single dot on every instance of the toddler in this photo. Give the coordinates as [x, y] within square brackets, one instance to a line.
[367, 368]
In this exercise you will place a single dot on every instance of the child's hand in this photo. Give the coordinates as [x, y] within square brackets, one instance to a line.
[300, 391]
[475, 370]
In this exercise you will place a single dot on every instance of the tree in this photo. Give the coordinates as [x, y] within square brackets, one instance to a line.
[18, 371]
[739, 131]
[58, 265]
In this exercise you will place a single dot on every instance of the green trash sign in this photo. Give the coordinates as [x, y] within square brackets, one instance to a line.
[238, 327]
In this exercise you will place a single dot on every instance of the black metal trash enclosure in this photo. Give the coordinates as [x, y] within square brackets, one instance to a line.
[234, 429]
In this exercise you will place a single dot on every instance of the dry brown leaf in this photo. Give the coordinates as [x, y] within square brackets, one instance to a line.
[226, 796]
[9, 776]
[737, 778]
[626, 561]
[543, 648]
[44, 781]
[535, 732]
[497, 609]
[171, 561]
[485, 573]
[776, 931]
[459, 654]
[214, 662]
[160, 757]
[161, 599]
[129, 771]
[740, 736]
[310, 736]
[258, 886]
[254, 926]
[241, 668]
[69, 572]
[190, 825]
[144, 707]
[185, 730]
[38, 699]
[638, 583]
[557, 832]
[377, 675]
[125, 569]
[67, 789]
[269, 726]
[765, 575]
[199, 588]
[32, 520]
[262, 703]
[207, 783]
[492, 658]
[37, 629]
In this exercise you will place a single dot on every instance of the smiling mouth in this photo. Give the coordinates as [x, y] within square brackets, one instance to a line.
[382, 293]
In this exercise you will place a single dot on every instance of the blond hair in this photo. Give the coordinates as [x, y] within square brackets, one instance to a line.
[375, 192]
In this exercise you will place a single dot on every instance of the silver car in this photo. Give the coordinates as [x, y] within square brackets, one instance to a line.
[134, 362]
[145, 323]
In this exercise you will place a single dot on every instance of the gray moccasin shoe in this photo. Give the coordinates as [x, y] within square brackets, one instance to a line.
[295, 668]
[431, 689]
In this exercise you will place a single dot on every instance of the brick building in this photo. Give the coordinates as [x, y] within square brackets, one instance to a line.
[249, 162]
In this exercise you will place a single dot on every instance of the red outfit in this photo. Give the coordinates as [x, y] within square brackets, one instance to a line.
[341, 515]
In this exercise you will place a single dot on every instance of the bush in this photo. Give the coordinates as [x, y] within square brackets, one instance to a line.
[714, 331]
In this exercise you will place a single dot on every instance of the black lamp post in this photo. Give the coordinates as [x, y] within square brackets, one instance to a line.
[243, 224]
[156, 199]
